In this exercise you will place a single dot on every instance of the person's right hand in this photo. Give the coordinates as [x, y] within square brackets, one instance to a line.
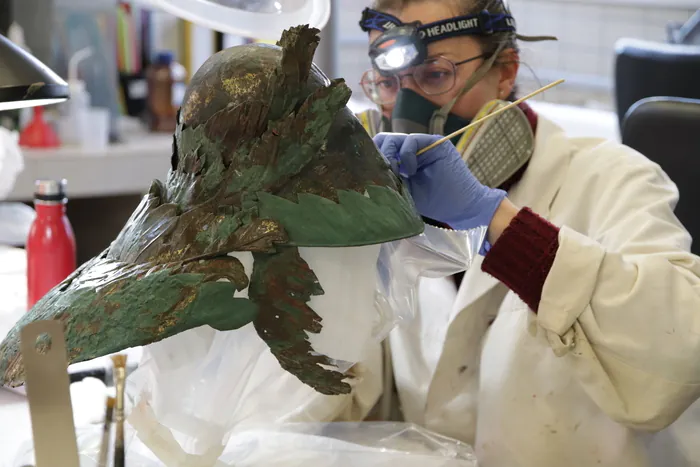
[439, 181]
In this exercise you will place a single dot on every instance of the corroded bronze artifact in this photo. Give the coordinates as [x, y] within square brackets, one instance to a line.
[266, 158]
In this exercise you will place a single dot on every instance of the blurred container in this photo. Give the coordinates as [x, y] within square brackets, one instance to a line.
[38, 133]
[51, 243]
[166, 90]
[97, 136]
[74, 121]
[135, 90]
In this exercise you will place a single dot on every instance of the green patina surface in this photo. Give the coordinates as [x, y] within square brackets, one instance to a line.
[354, 220]
[97, 308]
[266, 157]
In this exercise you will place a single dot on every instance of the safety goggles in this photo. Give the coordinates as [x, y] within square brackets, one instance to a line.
[435, 76]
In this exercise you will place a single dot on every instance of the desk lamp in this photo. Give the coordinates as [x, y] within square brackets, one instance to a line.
[259, 19]
[25, 81]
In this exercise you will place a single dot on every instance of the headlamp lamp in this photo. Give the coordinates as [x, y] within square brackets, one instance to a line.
[403, 45]
[398, 48]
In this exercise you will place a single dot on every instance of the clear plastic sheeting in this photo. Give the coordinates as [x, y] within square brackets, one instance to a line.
[302, 445]
[346, 445]
[194, 391]
[392, 438]
[199, 398]
[436, 253]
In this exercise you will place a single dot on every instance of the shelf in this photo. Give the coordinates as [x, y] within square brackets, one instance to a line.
[123, 169]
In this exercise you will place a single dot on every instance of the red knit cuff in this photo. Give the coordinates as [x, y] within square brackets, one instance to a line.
[523, 255]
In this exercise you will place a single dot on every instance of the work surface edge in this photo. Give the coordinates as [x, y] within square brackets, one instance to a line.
[121, 169]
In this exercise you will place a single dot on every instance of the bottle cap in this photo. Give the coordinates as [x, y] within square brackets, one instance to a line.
[165, 57]
[50, 190]
[76, 86]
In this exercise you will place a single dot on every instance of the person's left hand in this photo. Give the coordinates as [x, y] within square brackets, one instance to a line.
[439, 181]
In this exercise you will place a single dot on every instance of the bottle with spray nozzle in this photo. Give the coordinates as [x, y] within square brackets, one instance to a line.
[74, 124]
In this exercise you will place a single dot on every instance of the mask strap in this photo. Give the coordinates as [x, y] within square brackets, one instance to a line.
[439, 117]
[437, 121]
[535, 38]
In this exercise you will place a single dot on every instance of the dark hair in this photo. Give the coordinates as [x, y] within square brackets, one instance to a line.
[489, 44]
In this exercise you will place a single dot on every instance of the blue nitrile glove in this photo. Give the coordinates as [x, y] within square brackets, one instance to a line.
[439, 181]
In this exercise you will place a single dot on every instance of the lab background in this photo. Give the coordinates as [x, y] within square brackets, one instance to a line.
[631, 70]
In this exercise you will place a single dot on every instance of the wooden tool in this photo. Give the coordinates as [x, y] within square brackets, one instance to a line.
[486, 117]
[104, 447]
[119, 380]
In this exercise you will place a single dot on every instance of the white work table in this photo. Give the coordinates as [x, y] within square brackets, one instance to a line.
[120, 169]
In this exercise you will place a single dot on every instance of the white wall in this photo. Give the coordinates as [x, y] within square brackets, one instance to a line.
[587, 32]
[166, 35]
[352, 58]
[583, 55]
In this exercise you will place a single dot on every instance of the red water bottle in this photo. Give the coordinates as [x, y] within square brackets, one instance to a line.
[51, 243]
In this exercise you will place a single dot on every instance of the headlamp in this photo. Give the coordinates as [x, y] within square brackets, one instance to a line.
[398, 48]
[403, 45]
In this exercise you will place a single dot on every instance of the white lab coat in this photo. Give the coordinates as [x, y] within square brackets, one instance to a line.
[612, 357]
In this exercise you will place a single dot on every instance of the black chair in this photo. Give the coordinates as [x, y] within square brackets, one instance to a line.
[667, 131]
[647, 69]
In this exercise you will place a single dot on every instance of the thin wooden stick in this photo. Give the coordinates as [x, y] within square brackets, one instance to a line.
[104, 447]
[119, 380]
[486, 117]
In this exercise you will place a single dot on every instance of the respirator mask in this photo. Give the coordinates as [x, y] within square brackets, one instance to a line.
[505, 142]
